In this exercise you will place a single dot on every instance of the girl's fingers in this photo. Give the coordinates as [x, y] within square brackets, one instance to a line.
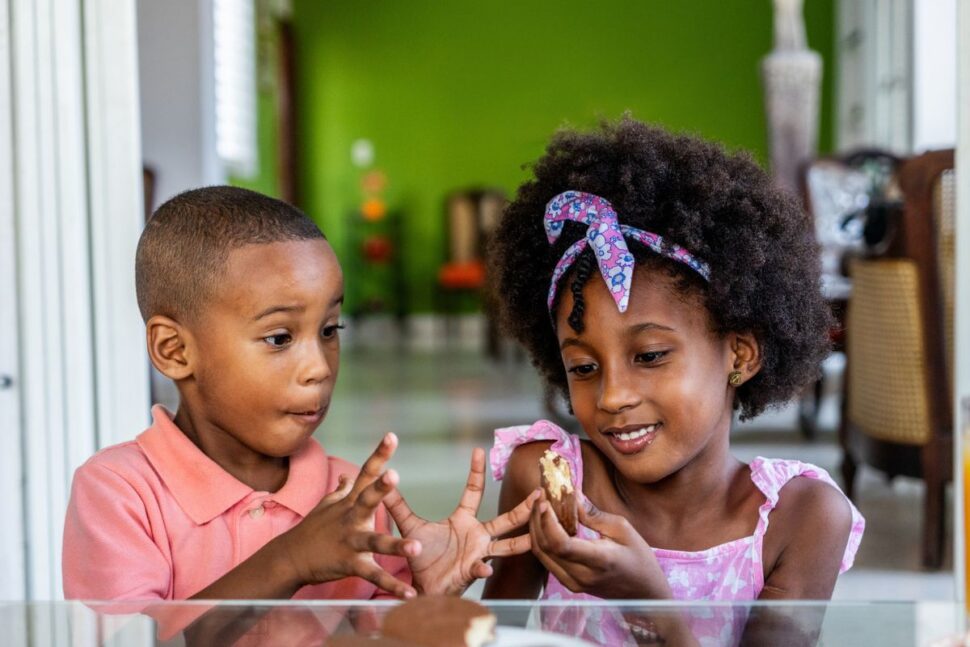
[557, 570]
[374, 542]
[471, 497]
[374, 465]
[553, 537]
[511, 546]
[608, 525]
[371, 497]
[513, 519]
[370, 571]
[401, 512]
[571, 552]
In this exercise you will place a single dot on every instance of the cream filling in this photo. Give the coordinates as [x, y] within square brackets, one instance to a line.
[481, 631]
[557, 474]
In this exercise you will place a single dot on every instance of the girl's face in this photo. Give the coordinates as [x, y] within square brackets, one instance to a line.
[650, 386]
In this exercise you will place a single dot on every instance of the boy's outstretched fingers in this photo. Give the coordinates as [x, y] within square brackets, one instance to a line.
[373, 467]
[374, 574]
[505, 523]
[471, 497]
[401, 512]
[371, 496]
[344, 483]
[382, 544]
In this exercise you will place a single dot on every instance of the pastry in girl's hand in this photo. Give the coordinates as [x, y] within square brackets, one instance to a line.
[557, 481]
[440, 621]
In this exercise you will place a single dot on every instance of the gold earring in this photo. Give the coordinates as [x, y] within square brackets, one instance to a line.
[734, 378]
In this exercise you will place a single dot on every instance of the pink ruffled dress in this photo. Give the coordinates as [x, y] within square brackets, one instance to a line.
[730, 571]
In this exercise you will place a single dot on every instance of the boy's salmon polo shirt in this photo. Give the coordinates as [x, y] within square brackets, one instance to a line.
[157, 519]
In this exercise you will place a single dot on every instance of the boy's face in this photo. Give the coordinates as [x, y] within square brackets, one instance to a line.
[266, 350]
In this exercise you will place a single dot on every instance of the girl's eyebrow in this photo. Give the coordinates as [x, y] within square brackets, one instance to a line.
[635, 329]
[649, 325]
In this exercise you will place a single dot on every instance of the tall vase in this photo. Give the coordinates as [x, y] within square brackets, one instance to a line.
[791, 75]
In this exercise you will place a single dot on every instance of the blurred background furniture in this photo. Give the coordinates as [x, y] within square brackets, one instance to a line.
[897, 410]
[470, 215]
[846, 197]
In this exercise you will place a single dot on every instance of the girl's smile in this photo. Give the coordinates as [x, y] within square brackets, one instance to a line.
[632, 439]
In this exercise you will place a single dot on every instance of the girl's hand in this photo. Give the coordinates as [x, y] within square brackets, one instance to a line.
[618, 565]
[338, 539]
[454, 550]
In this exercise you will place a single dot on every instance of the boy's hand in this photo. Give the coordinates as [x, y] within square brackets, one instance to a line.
[453, 551]
[337, 539]
[618, 565]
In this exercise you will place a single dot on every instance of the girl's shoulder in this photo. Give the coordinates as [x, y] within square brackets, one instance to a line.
[804, 504]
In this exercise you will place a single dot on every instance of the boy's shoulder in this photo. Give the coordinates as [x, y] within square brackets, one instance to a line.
[126, 459]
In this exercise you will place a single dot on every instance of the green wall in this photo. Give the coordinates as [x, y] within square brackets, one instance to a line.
[464, 95]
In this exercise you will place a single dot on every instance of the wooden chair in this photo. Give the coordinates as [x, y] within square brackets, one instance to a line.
[833, 189]
[470, 217]
[897, 409]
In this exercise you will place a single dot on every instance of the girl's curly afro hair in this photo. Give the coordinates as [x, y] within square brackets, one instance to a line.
[758, 242]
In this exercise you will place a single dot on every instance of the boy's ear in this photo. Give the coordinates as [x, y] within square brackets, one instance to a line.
[168, 347]
[746, 354]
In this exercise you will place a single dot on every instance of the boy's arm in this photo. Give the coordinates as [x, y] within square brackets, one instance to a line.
[110, 550]
[336, 540]
[519, 576]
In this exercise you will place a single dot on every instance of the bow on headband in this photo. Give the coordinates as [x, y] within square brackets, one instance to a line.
[605, 235]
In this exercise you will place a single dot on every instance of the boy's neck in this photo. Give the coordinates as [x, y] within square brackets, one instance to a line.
[258, 471]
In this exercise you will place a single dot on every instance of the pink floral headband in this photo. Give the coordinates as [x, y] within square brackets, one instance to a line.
[605, 235]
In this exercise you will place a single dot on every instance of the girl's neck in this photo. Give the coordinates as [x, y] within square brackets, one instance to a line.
[705, 481]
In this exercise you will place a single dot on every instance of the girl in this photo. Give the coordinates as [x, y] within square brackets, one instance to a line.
[661, 284]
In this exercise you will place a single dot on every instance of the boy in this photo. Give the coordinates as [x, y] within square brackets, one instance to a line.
[241, 297]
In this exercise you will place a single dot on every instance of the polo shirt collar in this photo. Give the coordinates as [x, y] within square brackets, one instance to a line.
[205, 490]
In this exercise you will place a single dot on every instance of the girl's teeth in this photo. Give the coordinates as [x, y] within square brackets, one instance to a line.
[633, 435]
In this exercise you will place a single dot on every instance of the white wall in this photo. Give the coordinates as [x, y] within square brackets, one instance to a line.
[896, 75]
[934, 74]
[175, 54]
[71, 192]
[962, 306]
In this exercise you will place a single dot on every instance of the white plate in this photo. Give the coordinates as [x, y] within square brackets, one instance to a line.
[517, 637]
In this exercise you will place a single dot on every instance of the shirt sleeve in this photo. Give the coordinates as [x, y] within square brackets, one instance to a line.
[396, 566]
[109, 550]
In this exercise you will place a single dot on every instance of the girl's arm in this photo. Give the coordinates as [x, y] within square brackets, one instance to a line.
[804, 544]
[519, 576]
[805, 541]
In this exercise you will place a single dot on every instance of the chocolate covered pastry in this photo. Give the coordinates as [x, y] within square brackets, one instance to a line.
[557, 481]
[440, 621]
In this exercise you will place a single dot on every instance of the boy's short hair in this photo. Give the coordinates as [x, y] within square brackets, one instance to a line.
[186, 243]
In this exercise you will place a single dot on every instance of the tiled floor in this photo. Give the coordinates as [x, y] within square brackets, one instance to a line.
[442, 404]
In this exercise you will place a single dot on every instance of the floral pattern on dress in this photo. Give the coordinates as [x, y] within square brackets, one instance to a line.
[732, 571]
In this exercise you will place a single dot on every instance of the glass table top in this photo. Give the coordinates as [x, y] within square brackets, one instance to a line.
[519, 623]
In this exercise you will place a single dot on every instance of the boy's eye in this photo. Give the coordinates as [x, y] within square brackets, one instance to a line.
[329, 332]
[279, 340]
[582, 369]
[652, 356]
